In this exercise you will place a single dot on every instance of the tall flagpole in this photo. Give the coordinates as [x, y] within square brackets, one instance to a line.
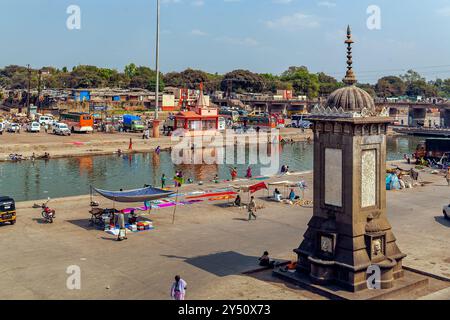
[157, 60]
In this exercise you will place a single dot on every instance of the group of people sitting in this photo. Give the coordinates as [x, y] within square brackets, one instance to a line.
[278, 197]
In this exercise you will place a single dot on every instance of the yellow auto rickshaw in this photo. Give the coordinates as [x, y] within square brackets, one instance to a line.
[7, 210]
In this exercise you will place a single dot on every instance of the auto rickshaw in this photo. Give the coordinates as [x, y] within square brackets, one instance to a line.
[7, 210]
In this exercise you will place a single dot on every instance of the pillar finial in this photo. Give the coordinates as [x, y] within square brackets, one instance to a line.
[350, 78]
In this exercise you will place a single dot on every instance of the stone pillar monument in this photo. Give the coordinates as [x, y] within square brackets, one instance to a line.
[349, 230]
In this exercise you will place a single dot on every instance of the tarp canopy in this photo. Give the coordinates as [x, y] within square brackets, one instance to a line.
[251, 188]
[137, 195]
[282, 183]
[257, 187]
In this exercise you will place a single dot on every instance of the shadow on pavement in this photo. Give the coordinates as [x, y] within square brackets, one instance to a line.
[221, 264]
[83, 223]
[442, 220]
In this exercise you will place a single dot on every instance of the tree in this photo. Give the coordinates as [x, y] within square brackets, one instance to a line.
[421, 88]
[411, 76]
[243, 81]
[390, 86]
[303, 82]
[327, 84]
[442, 87]
[130, 70]
[191, 79]
[84, 76]
[145, 78]
[370, 89]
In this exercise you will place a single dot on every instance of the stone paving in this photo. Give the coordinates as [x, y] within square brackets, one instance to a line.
[210, 245]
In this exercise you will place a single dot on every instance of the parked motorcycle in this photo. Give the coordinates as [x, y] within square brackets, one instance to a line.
[47, 213]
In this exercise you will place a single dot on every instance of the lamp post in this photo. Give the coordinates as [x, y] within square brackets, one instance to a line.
[157, 60]
[28, 90]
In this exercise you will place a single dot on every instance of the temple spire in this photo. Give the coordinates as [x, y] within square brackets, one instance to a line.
[350, 78]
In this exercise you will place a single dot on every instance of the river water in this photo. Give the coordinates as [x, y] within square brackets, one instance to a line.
[73, 176]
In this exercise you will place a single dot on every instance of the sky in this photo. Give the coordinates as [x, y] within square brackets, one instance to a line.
[265, 36]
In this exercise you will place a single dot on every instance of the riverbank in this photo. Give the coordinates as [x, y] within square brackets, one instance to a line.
[210, 245]
[26, 144]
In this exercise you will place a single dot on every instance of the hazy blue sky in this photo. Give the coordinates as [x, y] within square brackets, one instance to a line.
[222, 35]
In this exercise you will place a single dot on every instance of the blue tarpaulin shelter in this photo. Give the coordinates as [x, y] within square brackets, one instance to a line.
[137, 195]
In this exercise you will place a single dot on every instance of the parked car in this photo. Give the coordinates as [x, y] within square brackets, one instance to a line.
[446, 211]
[61, 129]
[13, 128]
[34, 127]
[45, 120]
[2, 127]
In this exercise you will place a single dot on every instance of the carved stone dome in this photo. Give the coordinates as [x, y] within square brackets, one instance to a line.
[351, 98]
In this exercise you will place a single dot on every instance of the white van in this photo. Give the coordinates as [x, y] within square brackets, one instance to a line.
[45, 120]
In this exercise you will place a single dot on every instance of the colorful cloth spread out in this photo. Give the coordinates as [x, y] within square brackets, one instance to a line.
[221, 198]
[166, 205]
[128, 210]
[257, 187]
[209, 195]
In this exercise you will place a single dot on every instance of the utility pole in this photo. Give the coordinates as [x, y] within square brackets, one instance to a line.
[39, 90]
[29, 90]
[157, 61]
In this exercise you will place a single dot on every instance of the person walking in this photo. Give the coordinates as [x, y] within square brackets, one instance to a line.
[447, 177]
[251, 208]
[178, 289]
[122, 228]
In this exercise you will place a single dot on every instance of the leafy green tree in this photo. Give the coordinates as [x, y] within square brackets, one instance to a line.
[421, 88]
[243, 81]
[303, 82]
[368, 88]
[390, 86]
[191, 79]
[145, 78]
[327, 84]
[130, 70]
[411, 76]
[442, 87]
